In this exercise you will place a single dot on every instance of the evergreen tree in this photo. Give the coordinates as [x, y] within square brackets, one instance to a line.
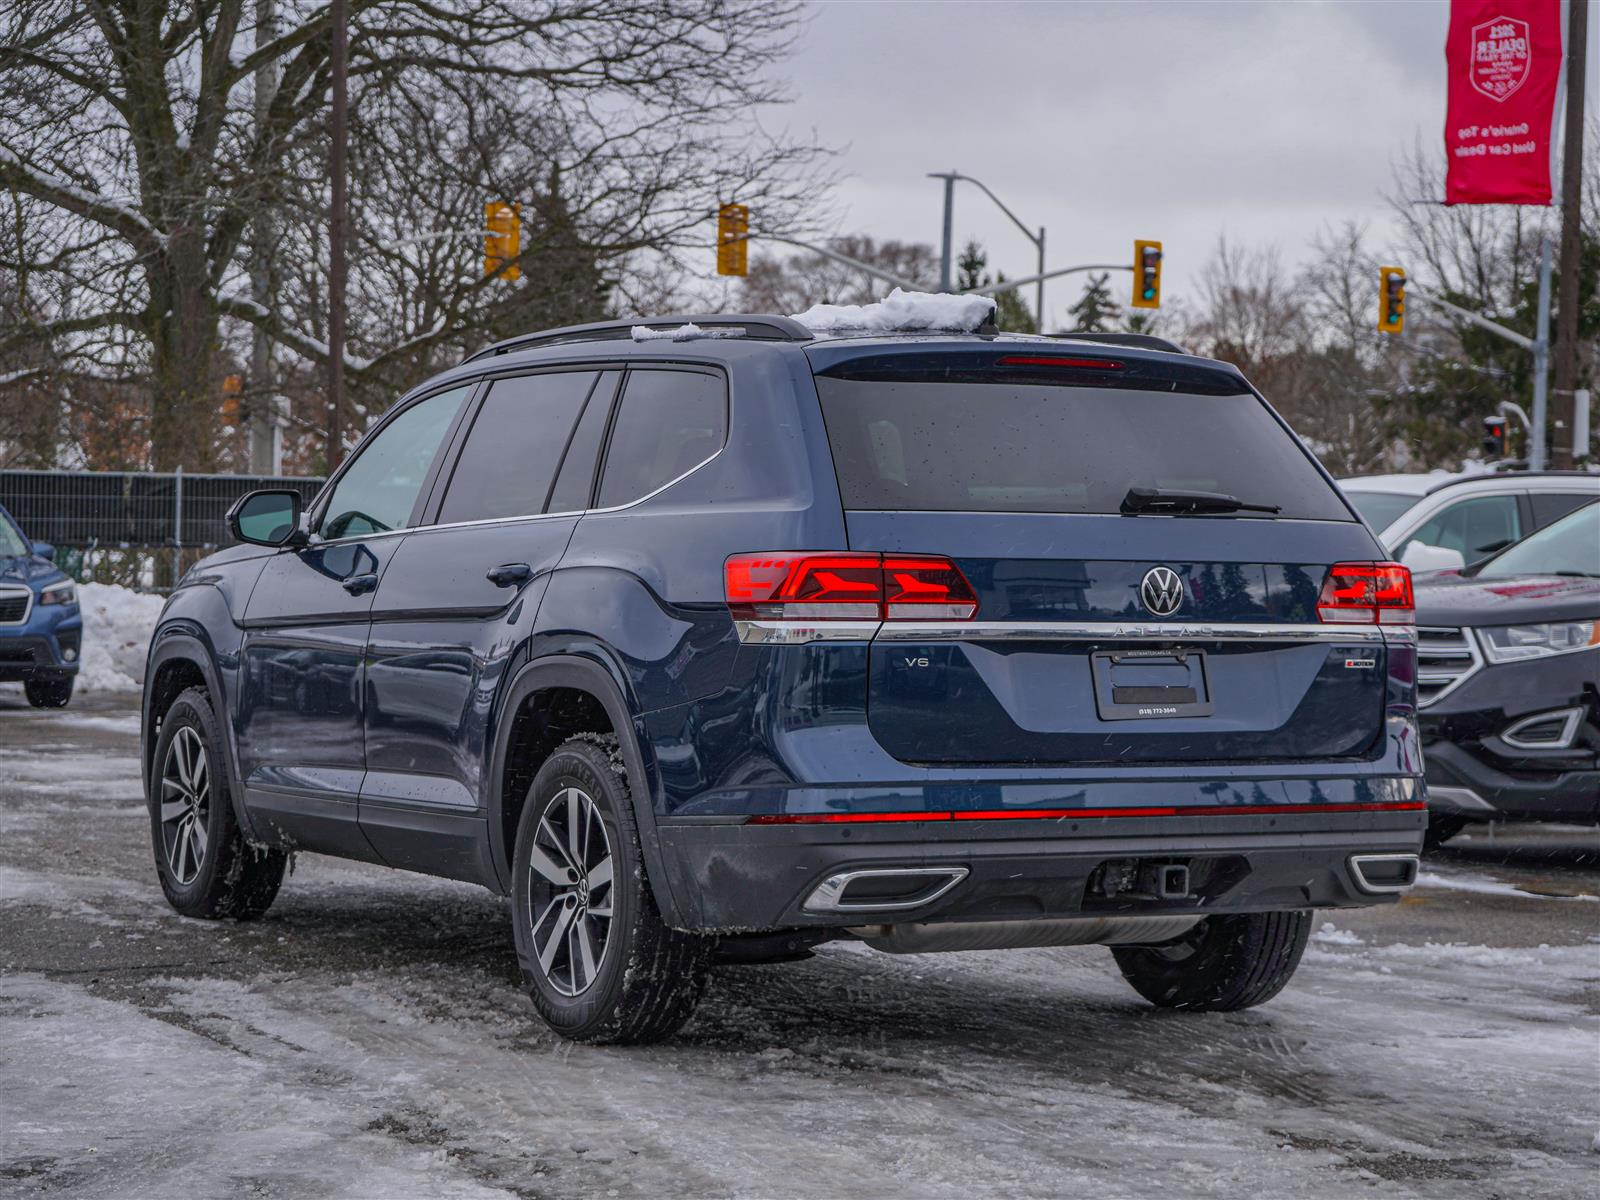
[1011, 313]
[1096, 311]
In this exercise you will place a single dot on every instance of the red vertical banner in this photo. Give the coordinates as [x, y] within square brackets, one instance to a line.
[1503, 59]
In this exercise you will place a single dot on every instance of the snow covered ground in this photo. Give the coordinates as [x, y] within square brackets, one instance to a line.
[368, 1039]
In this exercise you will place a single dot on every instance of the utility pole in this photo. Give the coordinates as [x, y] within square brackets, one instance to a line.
[1539, 444]
[1569, 436]
[1037, 239]
[265, 435]
[949, 178]
[337, 228]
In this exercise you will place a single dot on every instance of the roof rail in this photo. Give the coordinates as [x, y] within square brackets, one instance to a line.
[1142, 341]
[761, 327]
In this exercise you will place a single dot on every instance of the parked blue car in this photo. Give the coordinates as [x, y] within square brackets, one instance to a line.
[41, 629]
[717, 644]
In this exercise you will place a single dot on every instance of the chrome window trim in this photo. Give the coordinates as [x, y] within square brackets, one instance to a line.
[571, 512]
[27, 608]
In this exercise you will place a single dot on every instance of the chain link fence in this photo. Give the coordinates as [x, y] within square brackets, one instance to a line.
[135, 528]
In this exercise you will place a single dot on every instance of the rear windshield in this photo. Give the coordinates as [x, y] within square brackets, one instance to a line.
[1020, 447]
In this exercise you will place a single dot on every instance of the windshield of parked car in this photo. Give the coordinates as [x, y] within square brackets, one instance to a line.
[1569, 547]
[933, 446]
[1381, 509]
[12, 543]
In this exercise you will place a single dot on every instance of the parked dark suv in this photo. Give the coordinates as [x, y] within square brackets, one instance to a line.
[719, 643]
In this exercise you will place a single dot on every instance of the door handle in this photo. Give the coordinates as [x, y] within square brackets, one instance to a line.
[358, 585]
[509, 574]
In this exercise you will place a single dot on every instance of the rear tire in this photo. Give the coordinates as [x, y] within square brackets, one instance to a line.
[49, 693]
[207, 869]
[1441, 828]
[597, 960]
[1224, 963]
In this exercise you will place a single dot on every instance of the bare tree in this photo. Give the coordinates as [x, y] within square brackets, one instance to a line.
[793, 283]
[132, 125]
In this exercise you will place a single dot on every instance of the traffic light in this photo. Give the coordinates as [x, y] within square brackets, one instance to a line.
[232, 386]
[1146, 274]
[1495, 437]
[502, 239]
[1391, 299]
[733, 239]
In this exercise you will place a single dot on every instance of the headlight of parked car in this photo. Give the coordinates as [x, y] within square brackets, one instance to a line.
[65, 592]
[1513, 643]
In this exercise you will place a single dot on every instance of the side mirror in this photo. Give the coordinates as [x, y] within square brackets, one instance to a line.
[44, 550]
[1421, 558]
[270, 517]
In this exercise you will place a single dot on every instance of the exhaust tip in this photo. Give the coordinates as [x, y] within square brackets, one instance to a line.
[881, 889]
[1383, 873]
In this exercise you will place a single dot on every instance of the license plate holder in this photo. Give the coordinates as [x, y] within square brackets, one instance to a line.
[1151, 685]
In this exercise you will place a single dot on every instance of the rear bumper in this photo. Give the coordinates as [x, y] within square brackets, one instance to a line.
[740, 877]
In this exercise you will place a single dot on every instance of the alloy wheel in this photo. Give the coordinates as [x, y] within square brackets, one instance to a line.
[185, 804]
[570, 891]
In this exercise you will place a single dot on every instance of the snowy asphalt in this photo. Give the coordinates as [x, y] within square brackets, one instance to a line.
[367, 1038]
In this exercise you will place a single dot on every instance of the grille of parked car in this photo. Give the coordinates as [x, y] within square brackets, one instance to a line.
[13, 607]
[1446, 655]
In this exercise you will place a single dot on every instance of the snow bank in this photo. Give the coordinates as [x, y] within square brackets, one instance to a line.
[901, 310]
[117, 624]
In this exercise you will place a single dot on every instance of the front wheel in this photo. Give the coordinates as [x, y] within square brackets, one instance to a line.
[1224, 963]
[49, 693]
[596, 958]
[207, 868]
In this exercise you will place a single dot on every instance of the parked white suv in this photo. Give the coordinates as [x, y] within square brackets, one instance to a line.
[1442, 521]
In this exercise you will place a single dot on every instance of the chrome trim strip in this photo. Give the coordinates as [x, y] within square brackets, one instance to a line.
[1101, 631]
[1463, 798]
[27, 608]
[828, 896]
[1448, 650]
[799, 633]
[1359, 861]
[1569, 729]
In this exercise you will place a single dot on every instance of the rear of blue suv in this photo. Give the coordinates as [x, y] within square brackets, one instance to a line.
[719, 648]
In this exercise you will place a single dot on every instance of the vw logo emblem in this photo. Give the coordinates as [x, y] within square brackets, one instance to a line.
[1162, 591]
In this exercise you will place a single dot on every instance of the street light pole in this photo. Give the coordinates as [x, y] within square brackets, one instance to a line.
[1037, 239]
[949, 178]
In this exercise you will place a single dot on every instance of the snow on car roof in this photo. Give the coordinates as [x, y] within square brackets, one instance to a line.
[901, 311]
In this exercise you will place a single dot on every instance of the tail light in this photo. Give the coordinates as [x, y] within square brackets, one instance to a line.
[847, 587]
[1357, 593]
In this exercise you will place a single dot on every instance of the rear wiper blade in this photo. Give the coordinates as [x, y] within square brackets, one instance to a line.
[1161, 500]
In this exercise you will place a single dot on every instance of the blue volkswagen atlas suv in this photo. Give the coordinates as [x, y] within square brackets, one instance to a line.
[716, 646]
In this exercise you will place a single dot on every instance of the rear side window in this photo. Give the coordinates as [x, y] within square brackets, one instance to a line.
[509, 460]
[668, 423]
[576, 478]
[1018, 447]
[1549, 507]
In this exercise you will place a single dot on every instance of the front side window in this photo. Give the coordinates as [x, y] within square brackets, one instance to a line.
[509, 459]
[12, 543]
[669, 423]
[1472, 528]
[379, 490]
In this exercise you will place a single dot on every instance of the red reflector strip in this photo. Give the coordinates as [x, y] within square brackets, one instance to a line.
[1088, 814]
[1088, 364]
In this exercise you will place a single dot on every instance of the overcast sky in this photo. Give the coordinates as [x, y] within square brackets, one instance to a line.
[1109, 121]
